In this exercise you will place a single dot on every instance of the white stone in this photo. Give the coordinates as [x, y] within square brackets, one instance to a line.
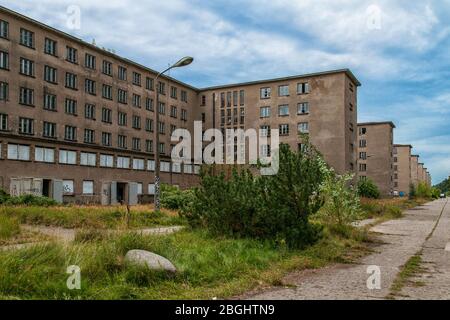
[149, 260]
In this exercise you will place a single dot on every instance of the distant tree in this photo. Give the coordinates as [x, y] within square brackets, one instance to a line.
[368, 189]
[412, 191]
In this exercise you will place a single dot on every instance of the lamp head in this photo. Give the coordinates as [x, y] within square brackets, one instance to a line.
[183, 62]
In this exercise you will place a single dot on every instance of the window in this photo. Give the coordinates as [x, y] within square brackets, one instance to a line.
[68, 187]
[395, 159]
[184, 115]
[50, 46]
[67, 157]
[283, 110]
[284, 129]
[136, 144]
[184, 96]
[90, 61]
[162, 87]
[89, 136]
[71, 81]
[203, 103]
[26, 126]
[122, 96]
[88, 159]
[228, 99]
[139, 188]
[3, 122]
[50, 74]
[4, 29]
[173, 92]
[27, 38]
[303, 108]
[176, 167]
[123, 163]
[303, 127]
[150, 165]
[165, 166]
[162, 148]
[265, 93]
[136, 100]
[107, 92]
[72, 55]
[18, 152]
[70, 107]
[50, 102]
[363, 155]
[122, 119]
[283, 91]
[188, 169]
[172, 129]
[204, 117]
[173, 112]
[106, 161]
[122, 74]
[264, 131]
[122, 142]
[222, 100]
[4, 60]
[26, 96]
[88, 187]
[137, 79]
[149, 146]
[151, 189]
[89, 111]
[363, 143]
[136, 122]
[70, 133]
[161, 127]
[362, 167]
[44, 155]
[90, 87]
[265, 150]
[4, 91]
[106, 139]
[362, 131]
[138, 164]
[149, 84]
[265, 112]
[107, 68]
[149, 104]
[303, 88]
[26, 67]
[49, 130]
[162, 108]
[106, 115]
[242, 97]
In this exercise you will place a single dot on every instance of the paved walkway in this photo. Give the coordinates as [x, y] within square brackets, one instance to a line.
[401, 240]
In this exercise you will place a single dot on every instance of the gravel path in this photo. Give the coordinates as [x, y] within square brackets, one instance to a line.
[401, 240]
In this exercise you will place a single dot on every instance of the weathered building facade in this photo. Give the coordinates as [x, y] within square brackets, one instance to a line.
[402, 169]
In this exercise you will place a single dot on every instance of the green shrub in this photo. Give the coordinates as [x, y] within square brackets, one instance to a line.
[342, 204]
[173, 198]
[27, 200]
[274, 207]
[368, 189]
[9, 227]
[412, 191]
[4, 197]
[424, 191]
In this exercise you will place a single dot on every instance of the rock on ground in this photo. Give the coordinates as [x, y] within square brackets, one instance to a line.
[149, 260]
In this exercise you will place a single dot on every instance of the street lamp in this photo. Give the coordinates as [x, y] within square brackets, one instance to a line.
[181, 63]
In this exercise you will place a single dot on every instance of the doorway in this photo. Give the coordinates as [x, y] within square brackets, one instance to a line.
[121, 188]
[46, 185]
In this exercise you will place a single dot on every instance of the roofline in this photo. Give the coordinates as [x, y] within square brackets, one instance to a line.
[415, 156]
[308, 75]
[91, 46]
[403, 145]
[377, 124]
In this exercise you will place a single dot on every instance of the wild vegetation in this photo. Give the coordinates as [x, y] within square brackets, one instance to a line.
[368, 189]
[25, 200]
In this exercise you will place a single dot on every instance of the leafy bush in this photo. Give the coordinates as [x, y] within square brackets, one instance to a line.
[368, 189]
[173, 198]
[274, 207]
[4, 197]
[412, 191]
[9, 227]
[424, 191]
[25, 200]
[342, 204]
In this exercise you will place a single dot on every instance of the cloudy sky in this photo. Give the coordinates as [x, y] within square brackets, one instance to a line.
[399, 50]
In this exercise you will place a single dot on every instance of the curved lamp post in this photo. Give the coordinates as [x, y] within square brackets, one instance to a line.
[181, 63]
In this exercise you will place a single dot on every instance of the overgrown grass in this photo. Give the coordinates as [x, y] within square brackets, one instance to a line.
[9, 227]
[388, 209]
[208, 267]
[409, 270]
[91, 217]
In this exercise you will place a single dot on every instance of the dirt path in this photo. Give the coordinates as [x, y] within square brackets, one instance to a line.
[401, 240]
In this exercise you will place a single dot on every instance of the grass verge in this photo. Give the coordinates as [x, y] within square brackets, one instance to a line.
[388, 209]
[208, 267]
[91, 217]
[409, 270]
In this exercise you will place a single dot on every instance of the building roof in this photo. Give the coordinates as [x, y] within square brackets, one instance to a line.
[415, 156]
[403, 145]
[125, 60]
[309, 75]
[365, 124]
